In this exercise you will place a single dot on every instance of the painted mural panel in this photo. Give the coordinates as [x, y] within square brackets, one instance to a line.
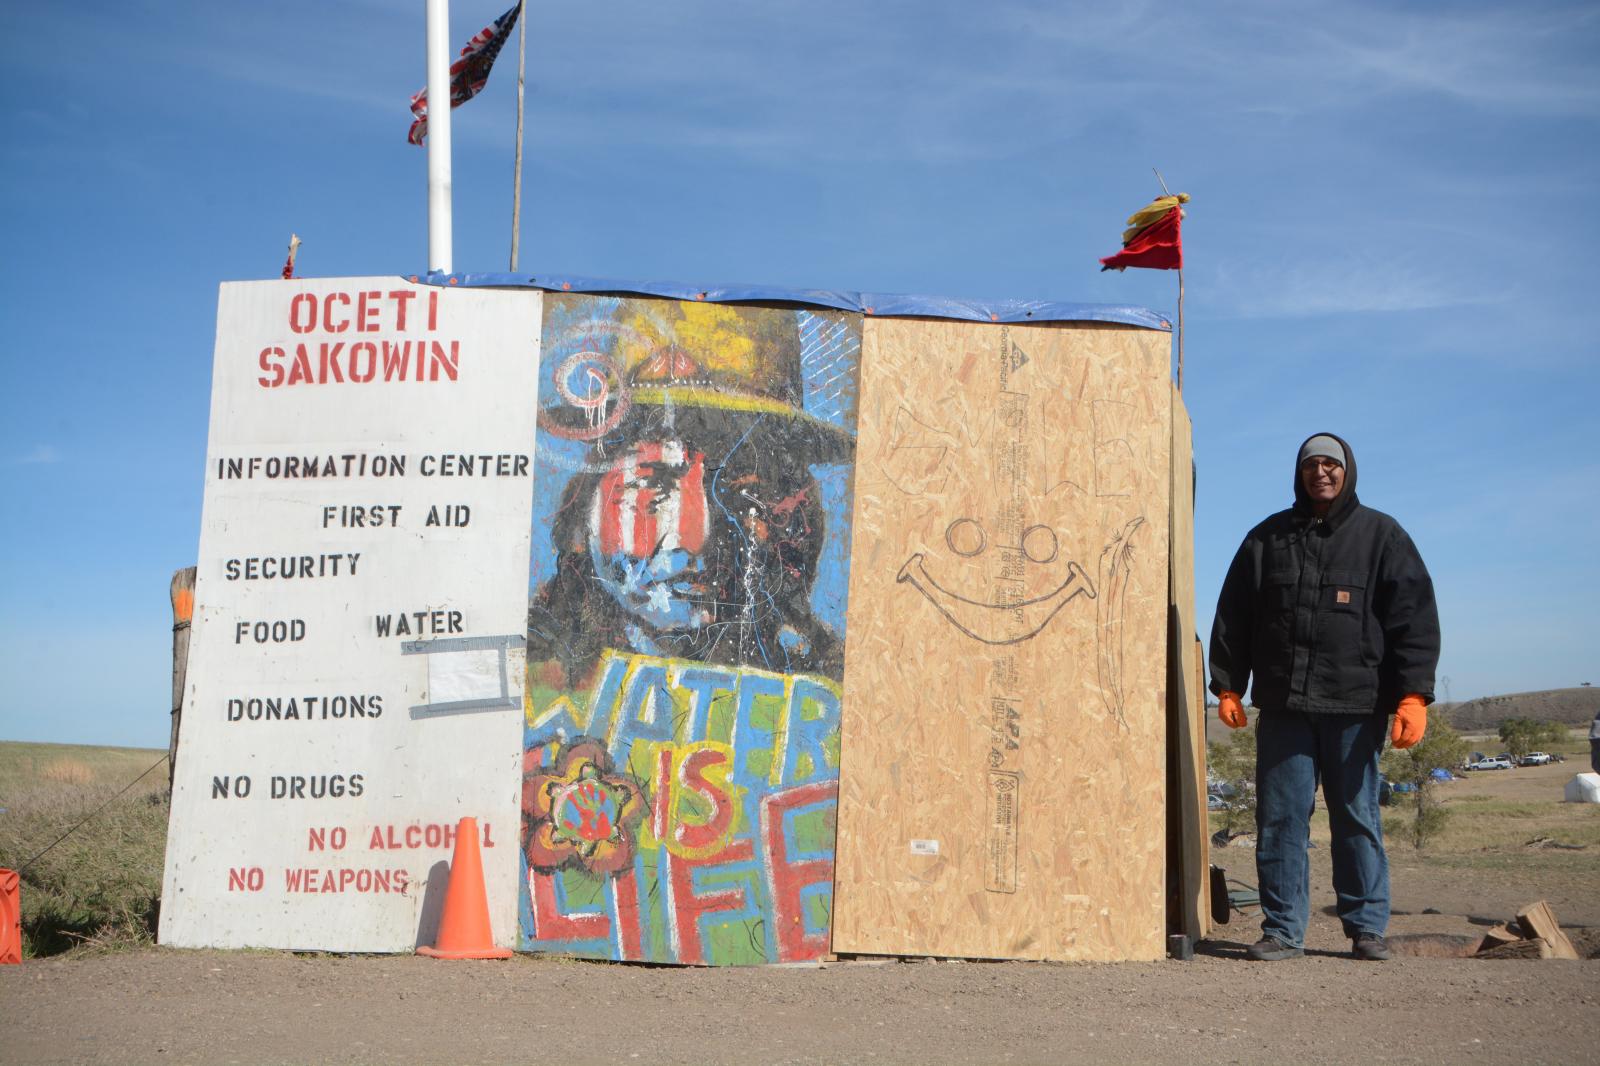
[686, 622]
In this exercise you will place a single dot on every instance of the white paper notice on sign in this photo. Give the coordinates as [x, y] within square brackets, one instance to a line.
[356, 664]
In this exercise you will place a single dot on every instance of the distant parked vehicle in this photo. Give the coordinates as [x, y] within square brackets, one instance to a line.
[1231, 791]
[1536, 758]
[1495, 762]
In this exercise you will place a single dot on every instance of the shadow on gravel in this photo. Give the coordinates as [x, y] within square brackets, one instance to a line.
[1220, 949]
[1233, 949]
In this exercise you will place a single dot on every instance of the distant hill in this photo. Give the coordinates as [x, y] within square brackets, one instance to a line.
[25, 765]
[1569, 706]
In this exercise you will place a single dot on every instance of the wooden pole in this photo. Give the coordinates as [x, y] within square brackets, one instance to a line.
[1168, 192]
[182, 613]
[516, 182]
[1180, 331]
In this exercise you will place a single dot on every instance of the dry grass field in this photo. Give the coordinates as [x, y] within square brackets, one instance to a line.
[25, 766]
[100, 884]
[1509, 839]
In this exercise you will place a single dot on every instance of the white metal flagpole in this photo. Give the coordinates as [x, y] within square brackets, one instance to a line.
[516, 182]
[439, 230]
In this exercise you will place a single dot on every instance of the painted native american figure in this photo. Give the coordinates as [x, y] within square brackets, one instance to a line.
[693, 525]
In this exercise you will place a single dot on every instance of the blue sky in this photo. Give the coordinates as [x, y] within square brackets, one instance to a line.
[1391, 237]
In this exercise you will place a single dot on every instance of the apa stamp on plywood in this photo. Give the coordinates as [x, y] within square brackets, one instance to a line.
[1001, 832]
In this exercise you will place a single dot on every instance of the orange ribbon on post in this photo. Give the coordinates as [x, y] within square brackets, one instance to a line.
[10, 918]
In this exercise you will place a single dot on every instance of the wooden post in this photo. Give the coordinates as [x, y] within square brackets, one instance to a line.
[182, 613]
[1168, 192]
[1180, 329]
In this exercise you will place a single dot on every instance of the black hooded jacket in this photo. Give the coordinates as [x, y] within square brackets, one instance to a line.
[1332, 614]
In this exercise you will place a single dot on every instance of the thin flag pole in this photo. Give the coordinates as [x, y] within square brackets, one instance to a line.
[1180, 330]
[1168, 192]
[516, 182]
[439, 222]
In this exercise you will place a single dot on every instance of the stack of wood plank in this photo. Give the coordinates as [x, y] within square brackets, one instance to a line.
[1535, 934]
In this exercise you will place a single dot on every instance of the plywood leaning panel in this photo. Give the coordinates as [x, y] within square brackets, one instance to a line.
[1186, 705]
[1002, 780]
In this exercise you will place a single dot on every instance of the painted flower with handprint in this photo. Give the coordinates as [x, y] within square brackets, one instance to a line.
[579, 812]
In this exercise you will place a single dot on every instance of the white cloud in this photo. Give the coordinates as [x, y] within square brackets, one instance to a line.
[893, 81]
[306, 79]
[1287, 58]
[1341, 284]
[1507, 59]
[41, 453]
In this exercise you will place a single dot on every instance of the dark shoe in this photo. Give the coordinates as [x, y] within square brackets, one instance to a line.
[1370, 947]
[1271, 949]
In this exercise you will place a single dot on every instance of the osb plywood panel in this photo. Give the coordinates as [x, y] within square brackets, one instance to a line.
[1002, 767]
[1186, 707]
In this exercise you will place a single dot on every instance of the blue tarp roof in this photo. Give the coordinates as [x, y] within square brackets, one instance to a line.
[867, 303]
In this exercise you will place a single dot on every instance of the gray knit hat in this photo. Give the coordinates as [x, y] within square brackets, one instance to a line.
[1324, 446]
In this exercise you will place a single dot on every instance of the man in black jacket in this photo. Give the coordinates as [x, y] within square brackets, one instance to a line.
[1329, 606]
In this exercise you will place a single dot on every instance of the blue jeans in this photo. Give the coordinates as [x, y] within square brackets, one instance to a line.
[1294, 751]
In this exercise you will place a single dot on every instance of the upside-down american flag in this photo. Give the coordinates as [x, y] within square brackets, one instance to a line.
[470, 73]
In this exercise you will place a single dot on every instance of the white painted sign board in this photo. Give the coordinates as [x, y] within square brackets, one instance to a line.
[356, 662]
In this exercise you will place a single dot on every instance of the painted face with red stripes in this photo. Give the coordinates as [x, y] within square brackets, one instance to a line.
[649, 525]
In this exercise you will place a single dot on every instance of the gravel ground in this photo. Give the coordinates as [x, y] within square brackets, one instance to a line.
[171, 1006]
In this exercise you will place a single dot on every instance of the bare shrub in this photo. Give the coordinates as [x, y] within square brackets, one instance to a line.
[1233, 761]
[1440, 748]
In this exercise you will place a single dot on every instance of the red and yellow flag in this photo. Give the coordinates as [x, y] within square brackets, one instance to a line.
[1154, 237]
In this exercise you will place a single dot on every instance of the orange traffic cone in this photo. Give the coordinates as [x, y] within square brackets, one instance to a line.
[464, 923]
[10, 918]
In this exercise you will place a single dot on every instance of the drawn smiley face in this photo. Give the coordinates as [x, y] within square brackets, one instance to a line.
[1006, 615]
[966, 537]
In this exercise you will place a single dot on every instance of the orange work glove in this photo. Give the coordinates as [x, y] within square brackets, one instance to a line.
[1231, 711]
[1410, 721]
